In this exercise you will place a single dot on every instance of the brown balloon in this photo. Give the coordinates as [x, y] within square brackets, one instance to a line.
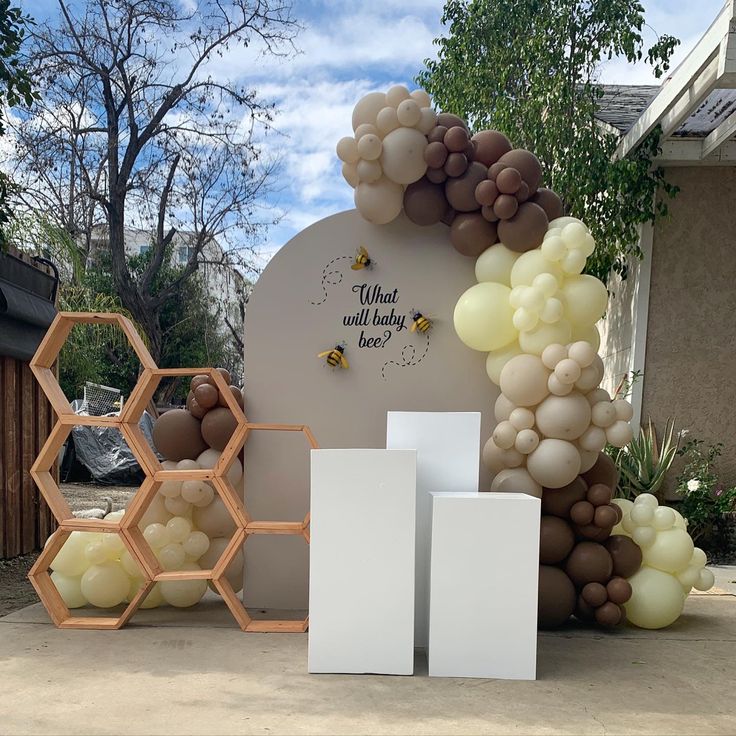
[218, 426]
[486, 192]
[605, 517]
[206, 395]
[190, 396]
[225, 373]
[198, 380]
[461, 191]
[495, 169]
[525, 230]
[435, 154]
[599, 494]
[559, 501]
[625, 553]
[589, 562]
[177, 436]
[619, 590]
[235, 391]
[549, 202]
[456, 164]
[556, 539]
[604, 471]
[609, 614]
[505, 206]
[471, 234]
[456, 139]
[582, 512]
[437, 134]
[527, 165]
[592, 533]
[450, 121]
[508, 181]
[196, 410]
[490, 145]
[450, 216]
[523, 194]
[425, 203]
[557, 597]
[594, 594]
[584, 611]
[436, 176]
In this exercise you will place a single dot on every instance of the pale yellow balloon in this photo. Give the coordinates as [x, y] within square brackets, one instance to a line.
[157, 535]
[130, 565]
[536, 340]
[656, 600]
[70, 560]
[379, 202]
[516, 480]
[347, 151]
[178, 528]
[531, 264]
[484, 318]
[524, 380]
[563, 417]
[495, 264]
[670, 552]
[585, 299]
[177, 506]
[183, 593]
[105, 585]
[706, 580]
[171, 556]
[586, 333]
[497, 359]
[70, 589]
[154, 599]
[560, 223]
[625, 505]
[554, 464]
[402, 158]
[196, 544]
[367, 109]
[234, 572]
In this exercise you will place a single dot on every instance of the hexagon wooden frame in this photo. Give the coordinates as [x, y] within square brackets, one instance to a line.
[127, 528]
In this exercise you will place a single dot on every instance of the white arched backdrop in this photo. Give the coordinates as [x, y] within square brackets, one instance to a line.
[307, 300]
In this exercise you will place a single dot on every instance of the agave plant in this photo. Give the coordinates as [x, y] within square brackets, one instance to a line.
[644, 463]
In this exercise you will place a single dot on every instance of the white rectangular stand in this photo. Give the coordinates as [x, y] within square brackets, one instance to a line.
[448, 460]
[483, 589]
[361, 584]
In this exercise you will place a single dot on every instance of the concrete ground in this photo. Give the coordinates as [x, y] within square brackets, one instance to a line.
[193, 672]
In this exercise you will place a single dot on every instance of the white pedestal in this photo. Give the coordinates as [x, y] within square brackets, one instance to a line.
[448, 459]
[361, 585]
[483, 589]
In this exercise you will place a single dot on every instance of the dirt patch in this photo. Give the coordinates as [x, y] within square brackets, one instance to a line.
[85, 496]
[15, 589]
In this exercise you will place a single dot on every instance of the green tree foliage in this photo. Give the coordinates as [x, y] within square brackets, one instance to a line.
[529, 69]
[15, 87]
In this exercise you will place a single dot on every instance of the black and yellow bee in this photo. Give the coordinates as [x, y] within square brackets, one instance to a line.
[335, 358]
[420, 322]
[362, 260]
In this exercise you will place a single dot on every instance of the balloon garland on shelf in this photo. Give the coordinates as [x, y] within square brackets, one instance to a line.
[534, 313]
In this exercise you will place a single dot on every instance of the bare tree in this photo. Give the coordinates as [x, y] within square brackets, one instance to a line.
[133, 126]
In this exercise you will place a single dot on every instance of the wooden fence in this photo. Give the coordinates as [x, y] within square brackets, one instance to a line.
[26, 419]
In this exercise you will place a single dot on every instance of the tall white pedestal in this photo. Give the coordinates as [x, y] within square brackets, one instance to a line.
[448, 459]
[361, 585]
[483, 588]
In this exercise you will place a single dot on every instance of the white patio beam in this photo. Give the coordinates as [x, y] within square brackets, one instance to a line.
[719, 135]
[689, 152]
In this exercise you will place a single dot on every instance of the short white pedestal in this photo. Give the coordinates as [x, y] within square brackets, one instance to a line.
[448, 460]
[361, 585]
[483, 588]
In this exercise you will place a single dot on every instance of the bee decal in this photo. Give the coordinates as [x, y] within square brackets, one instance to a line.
[420, 322]
[335, 357]
[362, 260]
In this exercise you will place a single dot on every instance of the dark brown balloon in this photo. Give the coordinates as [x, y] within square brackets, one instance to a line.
[584, 611]
[436, 176]
[604, 471]
[599, 494]
[177, 436]
[505, 206]
[525, 230]
[435, 154]
[486, 192]
[490, 145]
[556, 539]
[437, 134]
[549, 202]
[527, 165]
[450, 216]
[450, 121]
[559, 501]
[589, 562]
[471, 234]
[456, 139]
[461, 191]
[198, 380]
[218, 426]
[425, 203]
[609, 614]
[508, 181]
[592, 533]
[619, 590]
[206, 395]
[582, 512]
[605, 517]
[557, 597]
[488, 214]
[625, 553]
[594, 594]
[456, 164]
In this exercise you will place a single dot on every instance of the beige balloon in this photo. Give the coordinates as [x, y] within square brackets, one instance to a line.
[368, 108]
[671, 551]
[402, 158]
[502, 408]
[504, 435]
[396, 95]
[516, 480]
[379, 202]
[493, 456]
[564, 417]
[421, 98]
[347, 150]
[497, 359]
[350, 174]
[591, 375]
[369, 171]
[524, 380]
[427, 121]
[387, 120]
[554, 464]
[409, 113]
[234, 572]
[587, 459]
[620, 433]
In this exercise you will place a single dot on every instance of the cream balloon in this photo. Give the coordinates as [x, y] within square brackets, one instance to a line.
[554, 464]
[427, 120]
[409, 113]
[196, 544]
[157, 536]
[585, 299]
[516, 480]
[502, 408]
[495, 264]
[524, 380]
[369, 171]
[656, 600]
[177, 506]
[70, 560]
[171, 556]
[484, 318]
[214, 520]
[155, 513]
[396, 95]
[583, 353]
[234, 571]
[563, 417]
[625, 505]
[347, 151]
[421, 98]
[350, 174]
[184, 593]
[105, 585]
[536, 340]
[402, 158]
[154, 598]
[69, 589]
[178, 528]
[522, 419]
[368, 108]
[130, 565]
[586, 333]
[379, 202]
[504, 435]
[497, 359]
[387, 120]
[670, 552]
[493, 457]
[531, 264]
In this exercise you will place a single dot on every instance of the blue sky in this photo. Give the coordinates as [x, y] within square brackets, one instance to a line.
[349, 48]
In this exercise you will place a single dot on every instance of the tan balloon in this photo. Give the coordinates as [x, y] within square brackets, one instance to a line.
[524, 380]
[563, 417]
[387, 120]
[497, 359]
[369, 147]
[396, 95]
[369, 171]
[587, 459]
[402, 158]
[493, 456]
[620, 433]
[409, 113]
[536, 340]
[516, 480]
[368, 108]
[495, 264]
[379, 202]
[350, 174]
[347, 150]
[554, 464]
